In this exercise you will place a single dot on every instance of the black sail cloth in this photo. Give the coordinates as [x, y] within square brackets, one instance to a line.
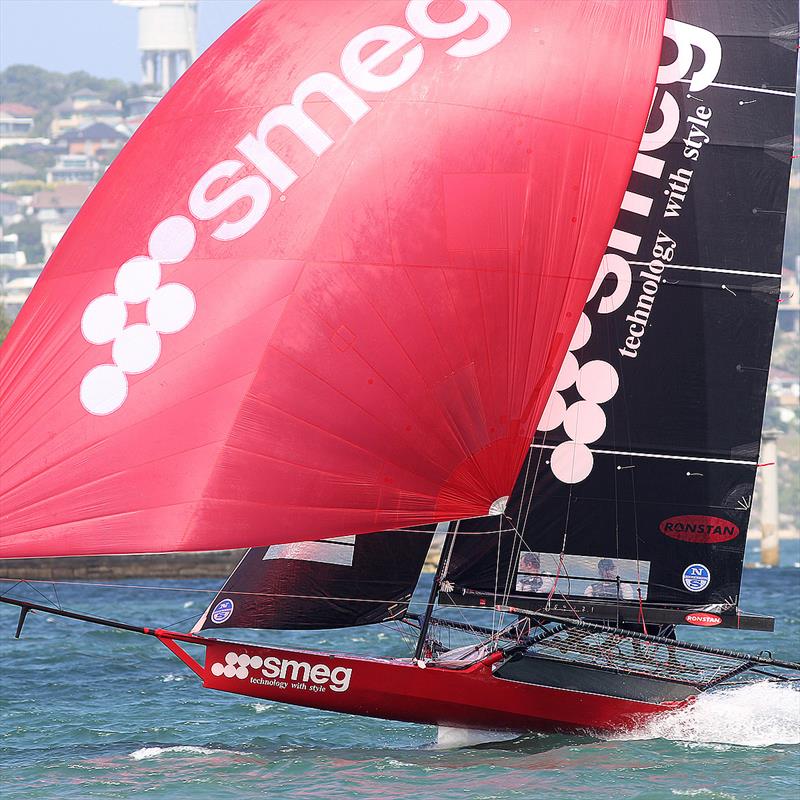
[333, 583]
[643, 469]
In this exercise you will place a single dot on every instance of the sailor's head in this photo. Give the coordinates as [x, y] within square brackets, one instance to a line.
[607, 568]
[530, 563]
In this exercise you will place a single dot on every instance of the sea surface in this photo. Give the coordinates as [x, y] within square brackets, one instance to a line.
[88, 712]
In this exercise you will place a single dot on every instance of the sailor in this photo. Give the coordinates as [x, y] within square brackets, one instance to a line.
[529, 578]
[608, 586]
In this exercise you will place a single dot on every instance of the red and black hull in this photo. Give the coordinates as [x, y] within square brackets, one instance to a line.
[477, 696]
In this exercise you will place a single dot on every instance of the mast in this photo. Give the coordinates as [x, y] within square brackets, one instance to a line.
[441, 572]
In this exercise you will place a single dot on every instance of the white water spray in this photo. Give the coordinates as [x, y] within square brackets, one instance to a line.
[756, 715]
[145, 753]
[451, 738]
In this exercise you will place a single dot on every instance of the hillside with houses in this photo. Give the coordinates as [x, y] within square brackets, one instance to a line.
[58, 134]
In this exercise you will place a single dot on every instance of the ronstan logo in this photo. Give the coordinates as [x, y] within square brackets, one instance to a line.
[699, 529]
[703, 619]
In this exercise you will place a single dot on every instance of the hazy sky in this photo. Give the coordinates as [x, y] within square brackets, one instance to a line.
[93, 35]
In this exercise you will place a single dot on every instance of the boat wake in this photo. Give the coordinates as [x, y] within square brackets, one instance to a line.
[757, 715]
[145, 753]
[454, 738]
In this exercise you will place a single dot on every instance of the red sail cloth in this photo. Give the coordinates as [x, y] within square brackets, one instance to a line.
[351, 321]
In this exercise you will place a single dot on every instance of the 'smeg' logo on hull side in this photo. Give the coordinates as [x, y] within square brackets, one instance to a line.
[699, 529]
[283, 673]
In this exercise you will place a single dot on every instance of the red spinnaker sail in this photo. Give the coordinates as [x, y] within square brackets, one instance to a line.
[327, 286]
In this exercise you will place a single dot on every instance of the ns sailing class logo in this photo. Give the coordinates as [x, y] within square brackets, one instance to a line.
[699, 529]
[222, 611]
[696, 577]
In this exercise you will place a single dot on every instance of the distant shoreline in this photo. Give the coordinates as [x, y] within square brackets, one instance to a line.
[786, 533]
[211, 564]
[208, 564]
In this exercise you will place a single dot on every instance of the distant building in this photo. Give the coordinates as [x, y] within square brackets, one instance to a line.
[12, 170]
[16, 123]
[82, 108]
[17, 277]
[97, 139]
[11, 257]
[75, 169]
[789, 306]
[62, 203]
[14, 292]
[52, 233]
[18, 110]
[167, 39]
[785, 386]
[9, 209]
[140, 106]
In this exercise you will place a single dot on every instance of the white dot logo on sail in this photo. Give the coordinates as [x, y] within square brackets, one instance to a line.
[136, 348]
[170, 308]
[584, 421]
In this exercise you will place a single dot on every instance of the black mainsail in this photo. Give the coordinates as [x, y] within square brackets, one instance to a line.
[636, 495]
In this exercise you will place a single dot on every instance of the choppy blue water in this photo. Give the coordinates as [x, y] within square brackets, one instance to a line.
[96, 713]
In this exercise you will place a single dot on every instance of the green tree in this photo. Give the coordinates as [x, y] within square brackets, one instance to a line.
[5, 323]
[30, 239]
[34, 86]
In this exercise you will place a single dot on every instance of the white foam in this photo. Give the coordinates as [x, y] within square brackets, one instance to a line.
[156, 752]
[756, 715]
[448, 738]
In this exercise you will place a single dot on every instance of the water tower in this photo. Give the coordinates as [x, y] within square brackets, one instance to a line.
[167, 38]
